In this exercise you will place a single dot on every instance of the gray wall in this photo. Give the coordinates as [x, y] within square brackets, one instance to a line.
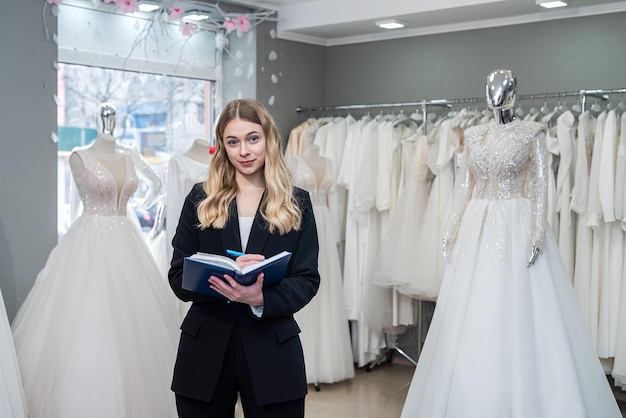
[238, 82]
[299, 72]
[28, 157]
[563, 55]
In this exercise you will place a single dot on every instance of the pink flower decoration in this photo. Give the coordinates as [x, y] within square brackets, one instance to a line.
[242, 24]
[176, 12]
[128, 6]
[230, 24]
[188, 28]
[55, 2]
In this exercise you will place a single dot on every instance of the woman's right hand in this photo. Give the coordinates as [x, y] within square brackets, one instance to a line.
[247, 259]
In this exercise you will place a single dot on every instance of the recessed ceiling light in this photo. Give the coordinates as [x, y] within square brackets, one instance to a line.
[196, 17]
[148, 7]
[551, 4]
[390, 24]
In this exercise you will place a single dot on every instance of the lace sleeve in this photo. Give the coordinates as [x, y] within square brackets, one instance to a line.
[463, 188]
[538, 187]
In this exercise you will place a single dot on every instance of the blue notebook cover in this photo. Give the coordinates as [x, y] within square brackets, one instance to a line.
[198, 268]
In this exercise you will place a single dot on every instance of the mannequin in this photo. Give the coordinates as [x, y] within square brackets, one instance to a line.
[111, 155]
[501, 92]
[317, 163]
[200, 151]
[183, 171]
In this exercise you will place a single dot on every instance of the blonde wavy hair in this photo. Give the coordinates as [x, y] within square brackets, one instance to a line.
[278, 206]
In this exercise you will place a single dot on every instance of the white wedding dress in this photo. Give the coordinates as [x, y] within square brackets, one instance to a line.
[324, 322]
[506, 340]
[97, 334]
[12, 399]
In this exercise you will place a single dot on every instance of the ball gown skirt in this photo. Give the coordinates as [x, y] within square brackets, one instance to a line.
[12, 399]
[507, 340]
[96, 337]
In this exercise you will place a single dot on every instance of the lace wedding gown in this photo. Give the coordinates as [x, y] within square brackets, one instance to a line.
[96, 336]
[506, 340]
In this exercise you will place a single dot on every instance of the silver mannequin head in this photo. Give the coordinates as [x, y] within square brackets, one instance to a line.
[501, 92]
[106, 118]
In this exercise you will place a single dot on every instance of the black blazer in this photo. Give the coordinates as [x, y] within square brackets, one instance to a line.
[272, 345]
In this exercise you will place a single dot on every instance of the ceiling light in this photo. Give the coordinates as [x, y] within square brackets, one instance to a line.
[148, 7]
[550, 4]
[390, 24]
[195, 17]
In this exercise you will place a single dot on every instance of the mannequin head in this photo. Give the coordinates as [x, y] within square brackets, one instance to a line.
[501, 92]
[106, 119]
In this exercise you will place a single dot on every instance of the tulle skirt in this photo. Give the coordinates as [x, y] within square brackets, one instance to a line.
[97, 335]
[12, 400]
[507, 340]
[324, 323]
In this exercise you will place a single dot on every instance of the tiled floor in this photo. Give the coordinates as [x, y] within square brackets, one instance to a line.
[377, 394]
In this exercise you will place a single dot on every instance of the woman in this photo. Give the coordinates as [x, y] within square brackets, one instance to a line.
[248, 344]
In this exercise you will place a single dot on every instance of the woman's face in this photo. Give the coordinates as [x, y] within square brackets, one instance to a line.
[244, 142]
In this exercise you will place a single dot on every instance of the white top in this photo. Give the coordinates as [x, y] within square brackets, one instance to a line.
[245, 225]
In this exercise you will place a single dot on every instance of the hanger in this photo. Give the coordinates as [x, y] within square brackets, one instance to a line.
[596, 108]
[411, 121]
[621, 106]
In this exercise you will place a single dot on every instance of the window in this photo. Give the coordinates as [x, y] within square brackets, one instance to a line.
[159, 115]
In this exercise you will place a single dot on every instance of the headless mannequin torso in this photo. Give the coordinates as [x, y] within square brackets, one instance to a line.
[113, 157]
[200, 151]
[317, 163]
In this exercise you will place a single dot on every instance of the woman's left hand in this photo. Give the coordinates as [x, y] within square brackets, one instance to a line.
[534, 253]
[251, 295]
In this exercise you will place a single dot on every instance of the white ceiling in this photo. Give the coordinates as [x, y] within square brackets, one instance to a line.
[337, 22]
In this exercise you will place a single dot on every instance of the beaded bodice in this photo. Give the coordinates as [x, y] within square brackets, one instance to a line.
[503, 161]
[98, 189]
[305, 178]
[500, 158]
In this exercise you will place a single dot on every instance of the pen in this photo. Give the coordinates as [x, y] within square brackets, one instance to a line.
[234, 253]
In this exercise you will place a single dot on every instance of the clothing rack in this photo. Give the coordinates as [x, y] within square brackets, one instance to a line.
[602, 94]
[421, 103]
[583, 94]
[392, 347]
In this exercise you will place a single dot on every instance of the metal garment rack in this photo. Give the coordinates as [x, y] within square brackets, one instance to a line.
[391, 339]
[601, 94]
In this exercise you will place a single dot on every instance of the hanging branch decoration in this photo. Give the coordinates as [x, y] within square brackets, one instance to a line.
[211, 18]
